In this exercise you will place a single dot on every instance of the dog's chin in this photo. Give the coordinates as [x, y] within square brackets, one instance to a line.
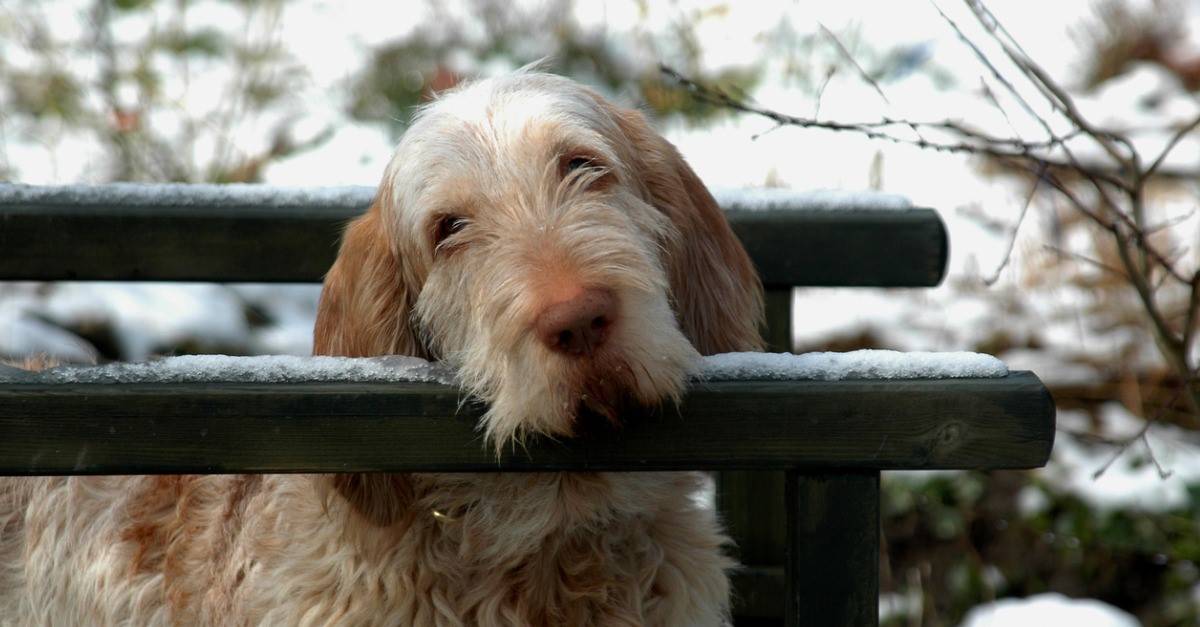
[594, 394]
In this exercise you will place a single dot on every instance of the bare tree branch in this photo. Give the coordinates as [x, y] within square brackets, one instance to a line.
[1000, 148]
[1119, 186]
[1055, 95]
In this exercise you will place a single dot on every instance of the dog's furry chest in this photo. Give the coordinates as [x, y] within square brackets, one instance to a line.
[473, 550]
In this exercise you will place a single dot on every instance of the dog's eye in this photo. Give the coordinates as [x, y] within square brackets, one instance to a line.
[578, 163]
[447, 226]
[594, 168]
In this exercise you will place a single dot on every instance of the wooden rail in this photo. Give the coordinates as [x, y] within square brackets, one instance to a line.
[50, 236]
[135, 428]
[827, 439]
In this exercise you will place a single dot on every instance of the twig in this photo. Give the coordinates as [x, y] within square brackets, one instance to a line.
[867, 78]
[1124, 446]
[1162, 473]
[821, 91]
[1140, 435]
[755, 136]
[991, 98]
[1171, 222]
[1189, 319]
[1175, 139]
[1012, 240]
[1084, 258]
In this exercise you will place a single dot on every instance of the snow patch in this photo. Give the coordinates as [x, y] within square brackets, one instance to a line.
[1048, 610]
[23, 336]
[861, 364]
[147, 317]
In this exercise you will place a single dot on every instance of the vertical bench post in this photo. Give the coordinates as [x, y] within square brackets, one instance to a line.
[752, 503]
[833, 549]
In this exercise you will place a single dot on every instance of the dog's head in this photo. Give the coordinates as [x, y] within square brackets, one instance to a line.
[552, 247]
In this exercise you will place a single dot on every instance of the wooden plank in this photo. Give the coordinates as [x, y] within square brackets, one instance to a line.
[758, 594]
[778, 308]
[752, 505]
[77, 238]
[833, 549]
[848, 248]
[330, 427]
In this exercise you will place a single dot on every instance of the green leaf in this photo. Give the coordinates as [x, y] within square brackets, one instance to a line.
[131, 5]
[207, 42]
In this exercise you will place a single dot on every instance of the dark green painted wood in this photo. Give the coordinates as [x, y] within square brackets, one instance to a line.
[329, 427]
[758, 594]
[751, 501]
[848, 248]
[231, 243]
[778, 308]
[751, 504]
[833, 549]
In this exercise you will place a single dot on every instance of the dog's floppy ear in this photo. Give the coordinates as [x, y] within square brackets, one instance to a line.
[365, 304]
[716, 291]
[364, 311]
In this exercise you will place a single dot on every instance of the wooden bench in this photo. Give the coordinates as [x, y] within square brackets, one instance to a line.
[800, 460]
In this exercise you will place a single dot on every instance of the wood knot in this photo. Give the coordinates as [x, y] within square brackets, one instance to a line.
[948, 437]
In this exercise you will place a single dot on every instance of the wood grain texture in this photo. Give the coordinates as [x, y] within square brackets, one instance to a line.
[50, 242]
[332, 427]
[833, 549]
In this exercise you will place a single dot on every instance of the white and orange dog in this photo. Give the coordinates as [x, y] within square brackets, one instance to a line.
[563, 257]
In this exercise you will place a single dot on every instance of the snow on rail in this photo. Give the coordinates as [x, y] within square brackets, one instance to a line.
[863, 364]
[765, 199]
[860, 364]
[268, 196]
[260, 369]
[185, 195]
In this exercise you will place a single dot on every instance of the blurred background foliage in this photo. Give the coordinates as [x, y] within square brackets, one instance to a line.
[405, 73]
[121, 74]
[163, 96]
[118, 74]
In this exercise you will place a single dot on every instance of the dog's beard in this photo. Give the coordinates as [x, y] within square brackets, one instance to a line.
[476, 314]
[532, 390]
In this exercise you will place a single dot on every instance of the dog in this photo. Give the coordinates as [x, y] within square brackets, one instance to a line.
[566, 261]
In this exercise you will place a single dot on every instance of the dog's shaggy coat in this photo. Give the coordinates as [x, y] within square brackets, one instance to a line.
[514, 211]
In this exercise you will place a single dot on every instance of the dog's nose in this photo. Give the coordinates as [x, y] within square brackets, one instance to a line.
[579, 325]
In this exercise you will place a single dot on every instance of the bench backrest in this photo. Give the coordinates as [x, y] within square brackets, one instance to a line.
[804, 513]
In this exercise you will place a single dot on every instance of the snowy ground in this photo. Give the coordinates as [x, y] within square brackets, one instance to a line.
[1048, 610]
